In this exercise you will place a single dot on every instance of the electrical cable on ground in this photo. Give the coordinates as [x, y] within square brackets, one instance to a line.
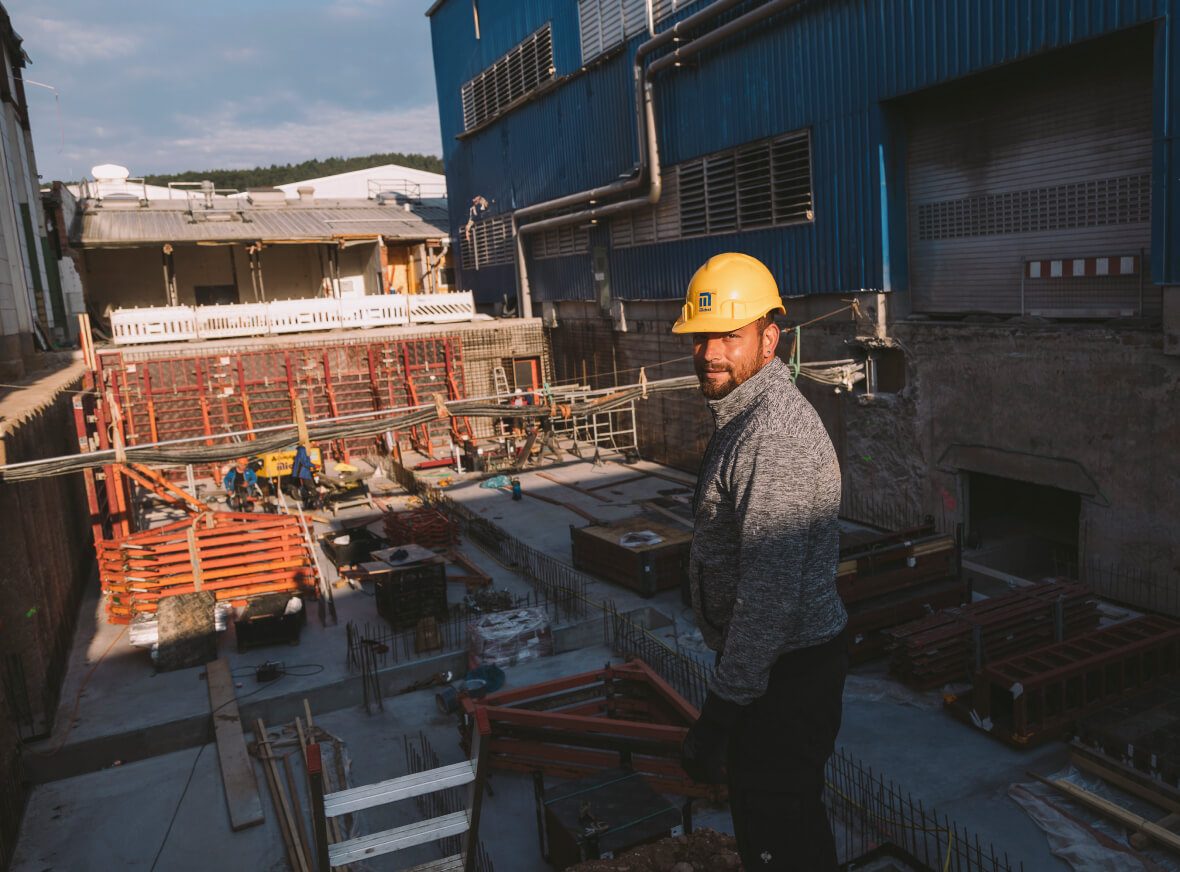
[179, 803]
[188, 782]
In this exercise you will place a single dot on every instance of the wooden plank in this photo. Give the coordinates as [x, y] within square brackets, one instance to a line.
[668, 513]
[1139, 841]
[1151, 829]
[264, 754]
[1125, 777]
[294, 846]
[237, 770]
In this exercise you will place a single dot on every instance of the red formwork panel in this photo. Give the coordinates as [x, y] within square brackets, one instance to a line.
[211, 392]
[577, 725]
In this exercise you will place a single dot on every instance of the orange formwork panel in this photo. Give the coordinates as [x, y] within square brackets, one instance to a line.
[233, 555]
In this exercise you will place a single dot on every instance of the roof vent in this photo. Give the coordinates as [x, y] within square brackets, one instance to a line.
[306, 193]
[110, 173]
[266, 196]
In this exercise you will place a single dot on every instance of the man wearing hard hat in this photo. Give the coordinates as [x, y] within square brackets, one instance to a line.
[763, 576]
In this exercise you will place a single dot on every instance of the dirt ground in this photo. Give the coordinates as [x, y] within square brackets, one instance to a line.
[704, 851]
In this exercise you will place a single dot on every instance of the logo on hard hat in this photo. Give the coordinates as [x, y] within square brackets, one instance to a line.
[705, 301]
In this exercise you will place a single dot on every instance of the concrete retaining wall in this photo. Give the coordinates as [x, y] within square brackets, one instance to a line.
[46, 558]
[1016, 399]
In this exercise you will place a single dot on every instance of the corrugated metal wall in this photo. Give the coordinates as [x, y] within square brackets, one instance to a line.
[827, 66]
[1040, 160]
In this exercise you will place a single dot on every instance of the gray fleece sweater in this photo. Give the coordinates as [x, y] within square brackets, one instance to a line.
[766, 541]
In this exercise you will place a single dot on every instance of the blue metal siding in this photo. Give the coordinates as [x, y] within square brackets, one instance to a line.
[830, 67]
[562, 278]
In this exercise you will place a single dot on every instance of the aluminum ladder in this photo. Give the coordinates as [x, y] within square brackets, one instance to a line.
[465, 822]
[500, 382]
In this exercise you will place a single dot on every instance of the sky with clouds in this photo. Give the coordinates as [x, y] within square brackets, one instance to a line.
[166, 86]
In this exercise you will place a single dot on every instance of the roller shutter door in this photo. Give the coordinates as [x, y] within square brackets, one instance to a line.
[1013, 175]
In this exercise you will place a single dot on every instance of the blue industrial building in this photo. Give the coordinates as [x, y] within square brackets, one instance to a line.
[997, 181]
[871, 91]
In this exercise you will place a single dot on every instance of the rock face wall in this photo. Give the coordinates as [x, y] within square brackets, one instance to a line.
[1086, 408]
[1094, 410]
[46, 558]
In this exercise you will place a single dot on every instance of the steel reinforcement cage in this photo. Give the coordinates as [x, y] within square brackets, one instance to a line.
[869, 812]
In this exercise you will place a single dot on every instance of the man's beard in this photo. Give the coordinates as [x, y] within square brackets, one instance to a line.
[716, 390]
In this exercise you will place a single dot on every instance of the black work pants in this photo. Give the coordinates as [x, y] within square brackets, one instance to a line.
[777, 755]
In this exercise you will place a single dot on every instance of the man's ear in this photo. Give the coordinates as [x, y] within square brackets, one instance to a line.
[770, 340]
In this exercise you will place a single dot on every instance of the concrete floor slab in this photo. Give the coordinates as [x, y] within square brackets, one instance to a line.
[82, 822]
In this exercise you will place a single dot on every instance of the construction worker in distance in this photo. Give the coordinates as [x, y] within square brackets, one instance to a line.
[763, 576]
[240, 482]
[303, 475]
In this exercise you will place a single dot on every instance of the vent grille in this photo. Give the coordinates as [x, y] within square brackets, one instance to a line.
[605, 24]
[1094, 203]
[650, 224]
[661, 9]
[561, 242]
[487, 242]
[521, 71]
[762, 184]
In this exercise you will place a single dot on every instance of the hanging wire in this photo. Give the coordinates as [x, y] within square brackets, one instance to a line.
[286, 436]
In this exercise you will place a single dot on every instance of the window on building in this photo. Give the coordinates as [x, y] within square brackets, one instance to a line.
[526, 374]
[521, 71]
[487, 242]
[760, 184]
[561, 242]
[605, 24]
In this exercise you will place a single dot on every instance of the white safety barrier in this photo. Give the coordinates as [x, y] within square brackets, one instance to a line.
[155, 324]
[300, 316]
[240, 319]
[386, 310]
[441, 308]
[180, 323]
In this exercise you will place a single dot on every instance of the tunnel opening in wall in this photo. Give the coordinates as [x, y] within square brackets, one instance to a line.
[1021, 528]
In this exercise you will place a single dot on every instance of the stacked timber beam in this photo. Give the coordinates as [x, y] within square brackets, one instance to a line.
[894, 578]
[582, 724]
[234, 556]
[952, 644]
[1039, 695]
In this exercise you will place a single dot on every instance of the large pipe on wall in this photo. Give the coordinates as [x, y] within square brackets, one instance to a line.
[649, 154]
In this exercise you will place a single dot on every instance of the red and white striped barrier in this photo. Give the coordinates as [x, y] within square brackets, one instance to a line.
[1080, 267]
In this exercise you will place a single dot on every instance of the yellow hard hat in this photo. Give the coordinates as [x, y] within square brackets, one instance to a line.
[730, 291]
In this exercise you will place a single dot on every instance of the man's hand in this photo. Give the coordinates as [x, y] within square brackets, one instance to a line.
[705, 747]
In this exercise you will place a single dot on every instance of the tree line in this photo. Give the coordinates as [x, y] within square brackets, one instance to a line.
[281, 174]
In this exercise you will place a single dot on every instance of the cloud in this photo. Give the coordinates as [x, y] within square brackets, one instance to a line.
[78, 43]
[323, 130]
[239, 54]
[351, 9]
